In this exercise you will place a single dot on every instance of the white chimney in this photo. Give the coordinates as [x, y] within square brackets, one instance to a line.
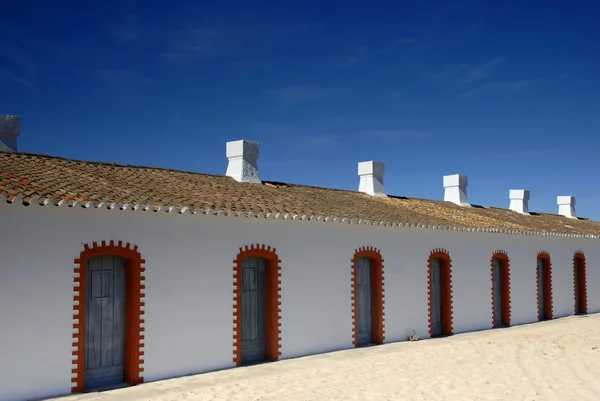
[566, 206]
[371, 178]
[456, 189]
[519, 200]
[242, 157]
[10, 128]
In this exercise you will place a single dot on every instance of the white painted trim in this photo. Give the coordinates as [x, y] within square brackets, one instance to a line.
[287, 216]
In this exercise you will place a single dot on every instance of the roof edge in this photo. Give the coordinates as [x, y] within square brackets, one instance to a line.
[281, 216]
[264, 182]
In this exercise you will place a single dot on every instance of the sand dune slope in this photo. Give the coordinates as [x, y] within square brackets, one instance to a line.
[556, 360]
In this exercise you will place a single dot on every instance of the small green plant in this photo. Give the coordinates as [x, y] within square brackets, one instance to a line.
[413, 337]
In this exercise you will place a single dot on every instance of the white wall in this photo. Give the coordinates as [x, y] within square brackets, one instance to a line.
[189, 276]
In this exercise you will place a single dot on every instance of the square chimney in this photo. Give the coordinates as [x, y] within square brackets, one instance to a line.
[371, 178]
[10, 128]
[519, 200]
[566, 206]
[455, 189]
[242, 157]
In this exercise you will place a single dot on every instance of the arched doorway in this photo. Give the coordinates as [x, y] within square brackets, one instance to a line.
[108, 316]
[544, 286]
[367, 297]
[580, 283]
[257, 281]
[440, 293]
[500, 289]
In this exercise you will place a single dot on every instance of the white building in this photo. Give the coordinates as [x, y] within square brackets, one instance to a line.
[116, 273]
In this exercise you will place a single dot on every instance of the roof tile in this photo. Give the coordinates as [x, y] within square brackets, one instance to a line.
[45, 177]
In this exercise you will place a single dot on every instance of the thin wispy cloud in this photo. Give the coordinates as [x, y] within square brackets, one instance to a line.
[517, 154]
[407, 40]
[332, 131]
[396, 134]
[9, 75]
[17, 67]
[127, 33]
[327, 138]
[202, 42]
[123, 82]
[350, 56]
[339, 61]
[450, 74]
[250, 65]
[408, 45]
[180, 120]
[321, 140]
[509, 87]
[119, 76]
[465, 74]
[481, 72]
[349, 61]
[293, 94]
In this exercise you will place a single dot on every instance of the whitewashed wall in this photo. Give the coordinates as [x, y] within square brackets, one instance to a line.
[189, 305]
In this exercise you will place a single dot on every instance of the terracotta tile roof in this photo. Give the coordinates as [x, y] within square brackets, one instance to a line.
[44, 177]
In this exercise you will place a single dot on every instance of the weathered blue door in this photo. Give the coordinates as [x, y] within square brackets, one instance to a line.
[253, 311]
[541, 289]
[497, 293]
[577, 279]
[436, 297]
[105, 322]
[363, 298]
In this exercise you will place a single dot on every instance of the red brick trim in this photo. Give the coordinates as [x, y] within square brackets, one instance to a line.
[583, 307]
[377, 294]
[134, 310]
[505, 287]
[548, 299]
[446, 296]
[273, 300]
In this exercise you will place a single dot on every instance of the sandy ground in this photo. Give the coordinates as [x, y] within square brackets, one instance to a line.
[556, 360]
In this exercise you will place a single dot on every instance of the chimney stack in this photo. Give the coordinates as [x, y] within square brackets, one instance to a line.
[242, 157]
[371, 178]
[10, 128]
[456, 189]
[519, 200]
[566, 206]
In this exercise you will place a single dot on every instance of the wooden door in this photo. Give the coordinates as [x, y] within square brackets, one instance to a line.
[542, 295]
[580, 290]
[576, 279]
[105, 322]
[436, 297]
[498, 285]
[253, 311]
[363, 297]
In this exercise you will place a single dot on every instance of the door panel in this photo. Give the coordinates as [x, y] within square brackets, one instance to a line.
[436, 297]
[105, 322]
[253, 311]
[576, 272]
[497, 293]
[363, 292]
[541, 288]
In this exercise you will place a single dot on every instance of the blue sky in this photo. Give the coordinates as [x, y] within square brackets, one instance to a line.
[507, 93]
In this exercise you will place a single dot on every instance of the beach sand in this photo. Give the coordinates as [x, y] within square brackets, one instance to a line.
[554, 360]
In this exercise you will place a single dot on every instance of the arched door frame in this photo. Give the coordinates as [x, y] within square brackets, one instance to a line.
[134, 305]
[547, 285]
[502, 256]
[446, 296]
[582, 285]
[272, 300]
[377, 294]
